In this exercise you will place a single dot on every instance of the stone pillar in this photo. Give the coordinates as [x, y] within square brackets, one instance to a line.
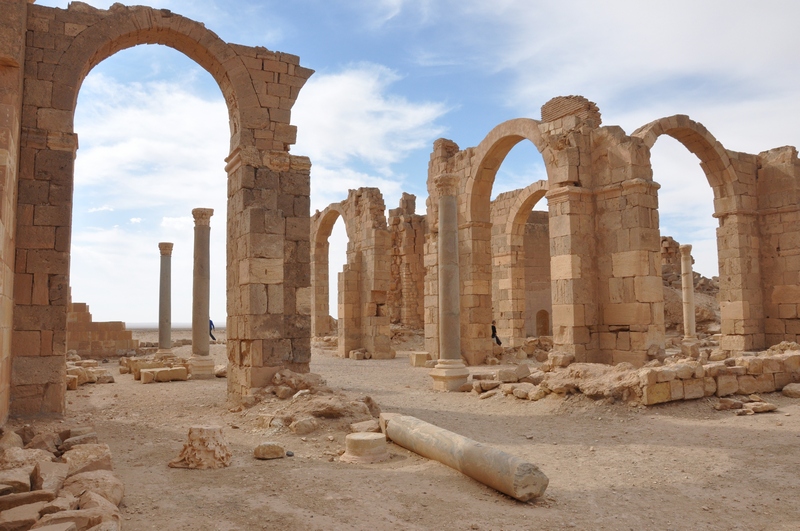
[687, 287]
[201, 364]
[165, 300]
[450, 372]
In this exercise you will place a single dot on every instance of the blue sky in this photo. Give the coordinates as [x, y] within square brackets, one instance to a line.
[391, 77]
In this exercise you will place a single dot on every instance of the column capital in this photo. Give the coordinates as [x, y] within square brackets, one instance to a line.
[446, 183]
[686, 249]
[202, 216]
[165, 248]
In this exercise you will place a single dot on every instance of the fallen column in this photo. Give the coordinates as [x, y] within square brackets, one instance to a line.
[502, 471]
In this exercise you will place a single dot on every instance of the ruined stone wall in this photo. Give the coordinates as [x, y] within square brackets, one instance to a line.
[13, 15]
[91, 339]
[779, 222]
[405, 302]
[268, 213]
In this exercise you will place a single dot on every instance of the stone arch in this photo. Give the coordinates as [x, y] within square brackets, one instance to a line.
[260, 88]
[487, 158]
[740, 296]
[510, 214]
[696, 138]
[322, 224]
[126, 27]
[475, 229]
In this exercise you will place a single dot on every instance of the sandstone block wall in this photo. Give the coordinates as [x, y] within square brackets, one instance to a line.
[12, 59]
[92, 339]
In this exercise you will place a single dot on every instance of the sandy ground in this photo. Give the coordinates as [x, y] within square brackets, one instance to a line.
[680, 466]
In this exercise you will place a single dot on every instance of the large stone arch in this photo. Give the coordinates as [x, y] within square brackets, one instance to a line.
[268, 293]
[322, 224]
[741, 298]
[510, 214]
[475, 228]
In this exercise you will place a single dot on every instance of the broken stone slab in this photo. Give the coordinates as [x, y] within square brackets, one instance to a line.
[64, 502]
[206, 448]
[365, 448]
[15, 500]
[502, 471]
[87, 458]
[69, 444]
[522, 390]
[418, 359]
[22, 517]
[80, 430]
[16, 457]
[760, 407]
[365, 426]
[81, 519]
[64, 526]
[506, 376]
[72, 382]
[92, 500]
[725, 404]
[49, 476]
[103, 482]
[269, 450]
[221, 371]
[48, 441]
[27, 433]
[19, 479]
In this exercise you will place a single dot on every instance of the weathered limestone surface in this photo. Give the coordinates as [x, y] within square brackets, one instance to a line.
[45, 53]
[502, 471]
[91, 339]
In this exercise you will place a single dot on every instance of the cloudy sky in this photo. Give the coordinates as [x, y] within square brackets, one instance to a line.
[391, 77]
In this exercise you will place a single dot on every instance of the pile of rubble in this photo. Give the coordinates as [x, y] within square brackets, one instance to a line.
[305, 403]
[156, 368]
[58, 481]
[678, 377]
[81, 372]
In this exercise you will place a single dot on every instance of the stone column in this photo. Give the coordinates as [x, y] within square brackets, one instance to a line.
[201, 364]
[165, 300]
[687, 287]
[450, 372]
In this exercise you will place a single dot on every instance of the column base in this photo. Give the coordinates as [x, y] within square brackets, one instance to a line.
[164, 353]
[202, 367]
[449, 375]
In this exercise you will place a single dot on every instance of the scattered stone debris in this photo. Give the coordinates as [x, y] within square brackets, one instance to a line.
[269, 450]
[80, 372]
[677, 377]
[60, 480]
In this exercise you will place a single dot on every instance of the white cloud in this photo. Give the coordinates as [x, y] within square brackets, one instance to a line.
[136, 220]
[104, 208]
[352, 116]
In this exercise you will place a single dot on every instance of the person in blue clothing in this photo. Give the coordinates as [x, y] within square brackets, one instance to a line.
[211, 329]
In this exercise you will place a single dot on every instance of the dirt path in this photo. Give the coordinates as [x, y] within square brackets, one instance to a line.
[611, 467]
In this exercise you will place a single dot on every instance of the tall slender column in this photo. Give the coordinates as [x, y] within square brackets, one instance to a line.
[165, 300]
[687, 287]
[201, 363]
[450, 372]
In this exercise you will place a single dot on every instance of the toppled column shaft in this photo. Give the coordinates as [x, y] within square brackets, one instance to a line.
[502, 471]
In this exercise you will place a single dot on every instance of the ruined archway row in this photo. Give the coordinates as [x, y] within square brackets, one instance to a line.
[45, 54]
[606, 287]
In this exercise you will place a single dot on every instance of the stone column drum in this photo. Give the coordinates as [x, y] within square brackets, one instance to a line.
[450, 372]
[687, 288]
[165, 300]
[201, 364]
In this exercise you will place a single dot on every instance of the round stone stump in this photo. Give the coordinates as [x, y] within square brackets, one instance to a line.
[206, 448]
[365, 448]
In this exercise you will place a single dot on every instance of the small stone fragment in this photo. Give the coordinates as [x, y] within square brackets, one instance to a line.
[269, 450]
